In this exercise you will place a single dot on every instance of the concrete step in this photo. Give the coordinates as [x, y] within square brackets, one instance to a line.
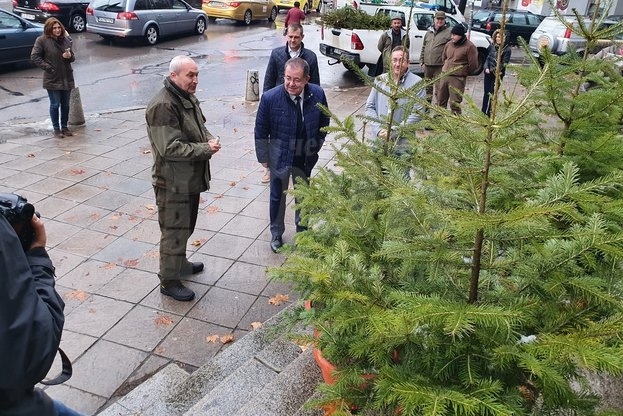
[262, 374]
[288, 391]
[147, 399]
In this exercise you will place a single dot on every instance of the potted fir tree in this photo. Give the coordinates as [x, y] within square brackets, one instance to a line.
[494, 273]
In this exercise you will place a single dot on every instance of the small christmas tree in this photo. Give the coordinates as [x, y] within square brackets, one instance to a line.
[490, 281]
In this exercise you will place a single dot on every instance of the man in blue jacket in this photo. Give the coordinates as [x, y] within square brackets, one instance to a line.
[31, 323]
[288, 138]
[294, 49]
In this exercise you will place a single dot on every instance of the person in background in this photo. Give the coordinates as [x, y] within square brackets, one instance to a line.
[460, 58]
[378, 103]
[431, 61]
[288, 136]
[294, 48]
[31, 324]
[294, 16]
[500, 40]
[181, 148]
[52, 52]
[394, 36]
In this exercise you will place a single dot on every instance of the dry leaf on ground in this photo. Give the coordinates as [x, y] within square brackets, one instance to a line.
[163, 320]
[212, 338]
[278, 299]
[77, 294]
[226, 339]
[256, 325]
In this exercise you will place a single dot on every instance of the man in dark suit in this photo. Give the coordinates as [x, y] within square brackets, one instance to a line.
[293, 49]
[288, 138]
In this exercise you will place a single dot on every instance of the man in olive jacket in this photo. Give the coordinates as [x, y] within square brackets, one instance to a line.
[431, 61]
[181, 147]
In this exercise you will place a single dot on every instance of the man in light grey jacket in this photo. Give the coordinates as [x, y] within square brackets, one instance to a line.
[398, 94]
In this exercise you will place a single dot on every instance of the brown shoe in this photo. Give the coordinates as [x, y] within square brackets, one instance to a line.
[66, 132]
[58, 133]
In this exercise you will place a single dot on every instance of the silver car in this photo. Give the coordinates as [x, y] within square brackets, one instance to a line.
[554, 35]
[147, 19]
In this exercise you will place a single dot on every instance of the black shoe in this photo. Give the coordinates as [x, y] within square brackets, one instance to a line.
[275, 244]
[66, 131]
[58, 133]
[197, 266]
[176, 290]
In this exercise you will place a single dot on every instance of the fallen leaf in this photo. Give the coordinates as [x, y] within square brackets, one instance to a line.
[197, 243]
[304, 347]
[217, 196]
[113, 227]
[232, 183]
[77, 294]
[213, 209]
[108, 266]
[30, 155]
[150, 207]
[163, 320]
[146, 152]
[97, 129]
[153, 254]
[115, 217]
[77, 171]
[226, 339]
[278, 299]
[95, 216]
[256, 325]
[212, 338]
[159, 350]
[130, 262]
[246, 188]
[235, 130]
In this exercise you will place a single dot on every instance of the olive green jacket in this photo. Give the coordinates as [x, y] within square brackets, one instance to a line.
[179, 141]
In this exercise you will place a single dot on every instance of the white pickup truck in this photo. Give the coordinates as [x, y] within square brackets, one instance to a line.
[360, 45]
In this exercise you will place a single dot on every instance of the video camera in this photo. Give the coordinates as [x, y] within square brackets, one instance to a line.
[18, 212]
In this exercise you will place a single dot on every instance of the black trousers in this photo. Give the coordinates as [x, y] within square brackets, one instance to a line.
[177, 217]
[278, 187]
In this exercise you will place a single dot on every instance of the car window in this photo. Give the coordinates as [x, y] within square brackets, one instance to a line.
[141, 5]
[109, 5]
[178, 5]
[423, 21]
[162, 4]
[498, 17]
[480, 16]
[450, 22]
[533, 20]
[9, 22]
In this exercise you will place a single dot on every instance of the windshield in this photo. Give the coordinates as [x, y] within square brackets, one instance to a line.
[110, 5]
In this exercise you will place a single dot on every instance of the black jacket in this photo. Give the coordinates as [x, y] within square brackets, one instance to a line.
[31, 322]
[277, 62]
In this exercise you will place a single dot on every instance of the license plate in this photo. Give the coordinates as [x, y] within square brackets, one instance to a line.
[28, 16]
[105, 20]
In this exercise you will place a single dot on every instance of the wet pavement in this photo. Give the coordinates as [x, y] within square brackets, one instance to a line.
[94, 192]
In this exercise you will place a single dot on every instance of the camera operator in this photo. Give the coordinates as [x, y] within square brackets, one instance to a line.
[31, 322]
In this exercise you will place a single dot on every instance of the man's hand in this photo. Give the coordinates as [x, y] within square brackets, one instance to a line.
[383, 134]
[265, 165]
[215, 145]
[39, 238]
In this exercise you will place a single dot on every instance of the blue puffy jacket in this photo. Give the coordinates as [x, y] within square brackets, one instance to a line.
[275, 128]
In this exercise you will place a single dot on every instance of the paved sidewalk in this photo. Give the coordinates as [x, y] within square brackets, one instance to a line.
[94, 192]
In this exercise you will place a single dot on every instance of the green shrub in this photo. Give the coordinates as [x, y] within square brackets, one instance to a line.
[350, 18]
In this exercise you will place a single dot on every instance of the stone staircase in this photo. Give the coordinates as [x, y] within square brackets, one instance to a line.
[261, 374]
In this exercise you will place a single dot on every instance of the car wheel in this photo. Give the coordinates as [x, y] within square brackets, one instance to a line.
[306, 8]
[248, 17]
[151, 35]
[212, 19]
[200, 26]
[273, 15]
[77, 23]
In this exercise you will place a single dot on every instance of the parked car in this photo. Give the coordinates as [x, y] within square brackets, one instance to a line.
[17, 37]
[71, 13]
[243, 11]
[306, 5]
[518, 23]
[554, 35]
[147, 19]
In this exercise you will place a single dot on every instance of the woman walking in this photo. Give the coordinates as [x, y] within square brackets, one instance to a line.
[491, 63]
[52, 53]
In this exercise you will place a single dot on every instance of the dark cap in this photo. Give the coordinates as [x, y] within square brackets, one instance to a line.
[458, 30]
[396, 17]
[440, 14]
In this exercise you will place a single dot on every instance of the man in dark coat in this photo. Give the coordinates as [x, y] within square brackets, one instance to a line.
[294, 48]
[31, 323]
[181, 147]
[288, 138]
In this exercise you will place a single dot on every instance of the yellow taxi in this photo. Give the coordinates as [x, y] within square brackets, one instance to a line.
[306, 5]
[244, 11]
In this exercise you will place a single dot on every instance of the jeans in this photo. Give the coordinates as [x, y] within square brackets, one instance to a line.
[62, 410]
[59, 99]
